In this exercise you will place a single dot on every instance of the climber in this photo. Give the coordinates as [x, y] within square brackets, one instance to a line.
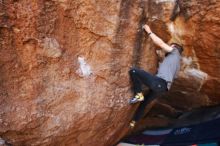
[159, 83]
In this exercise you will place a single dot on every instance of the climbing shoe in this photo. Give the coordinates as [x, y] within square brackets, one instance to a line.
[132, 124]
[138, 97]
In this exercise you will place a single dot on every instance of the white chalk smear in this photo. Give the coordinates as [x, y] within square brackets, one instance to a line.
[171, 27]
[187, 60]
[84, 68]
[196, 73]
[176, 31]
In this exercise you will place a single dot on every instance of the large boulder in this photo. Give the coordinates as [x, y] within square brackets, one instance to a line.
[64, 67]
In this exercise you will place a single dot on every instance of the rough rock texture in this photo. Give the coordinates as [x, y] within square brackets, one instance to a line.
[64, 66]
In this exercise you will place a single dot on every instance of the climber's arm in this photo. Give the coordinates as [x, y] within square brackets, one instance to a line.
[158, 41]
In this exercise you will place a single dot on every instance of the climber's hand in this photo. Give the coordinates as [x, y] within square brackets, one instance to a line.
[147, 28]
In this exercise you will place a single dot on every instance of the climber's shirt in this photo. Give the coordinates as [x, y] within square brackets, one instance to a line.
[170, 66]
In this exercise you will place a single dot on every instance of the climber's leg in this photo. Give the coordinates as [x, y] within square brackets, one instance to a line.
[137, 77]
[157, 86]
[135, 80]
[140, 111]
[140, 76]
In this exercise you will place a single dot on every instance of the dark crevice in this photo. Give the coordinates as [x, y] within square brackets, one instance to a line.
[140, 38]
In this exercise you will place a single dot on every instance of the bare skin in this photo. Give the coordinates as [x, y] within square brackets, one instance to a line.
[158, 41]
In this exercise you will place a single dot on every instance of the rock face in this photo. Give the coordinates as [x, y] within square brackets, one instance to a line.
[64, 66]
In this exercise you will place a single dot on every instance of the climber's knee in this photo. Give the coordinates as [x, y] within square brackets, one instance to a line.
[132, 70]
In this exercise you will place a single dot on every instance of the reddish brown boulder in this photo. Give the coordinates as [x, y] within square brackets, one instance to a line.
[64, 67]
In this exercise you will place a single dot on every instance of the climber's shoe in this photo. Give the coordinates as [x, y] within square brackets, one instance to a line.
[137, 98]
[132, 124]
